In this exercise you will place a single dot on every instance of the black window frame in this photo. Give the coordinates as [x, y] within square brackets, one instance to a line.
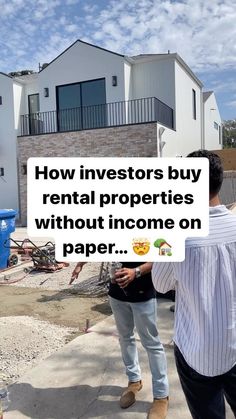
[81, 101]
[194, 104]
[33, 122]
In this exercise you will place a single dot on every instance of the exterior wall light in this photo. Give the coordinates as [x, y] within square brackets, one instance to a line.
[0, 100]
[1, 171]
[114, 80]
[46, 92]
[24, 169]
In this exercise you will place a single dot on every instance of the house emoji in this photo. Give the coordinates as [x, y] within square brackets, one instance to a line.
[164, 249]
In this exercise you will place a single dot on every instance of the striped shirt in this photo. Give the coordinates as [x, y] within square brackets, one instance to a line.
[205, 282]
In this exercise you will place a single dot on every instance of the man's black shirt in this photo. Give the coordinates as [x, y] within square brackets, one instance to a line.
[140, 289]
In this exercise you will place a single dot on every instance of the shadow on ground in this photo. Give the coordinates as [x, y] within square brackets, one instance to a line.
[73, 402]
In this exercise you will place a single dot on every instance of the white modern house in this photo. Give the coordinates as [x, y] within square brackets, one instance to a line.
[93, 102]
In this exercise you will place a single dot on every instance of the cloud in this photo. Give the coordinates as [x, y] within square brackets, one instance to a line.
[203, 32]
[71, 2]
[71, 28]
[231, 103]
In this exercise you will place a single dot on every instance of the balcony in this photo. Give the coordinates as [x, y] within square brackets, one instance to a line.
[115, 114]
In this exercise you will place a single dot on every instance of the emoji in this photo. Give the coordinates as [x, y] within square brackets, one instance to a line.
[141, 246]
[163, 246]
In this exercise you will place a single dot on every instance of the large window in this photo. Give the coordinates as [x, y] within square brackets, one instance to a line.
[81, 105]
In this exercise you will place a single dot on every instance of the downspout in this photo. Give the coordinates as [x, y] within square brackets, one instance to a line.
[202, 122]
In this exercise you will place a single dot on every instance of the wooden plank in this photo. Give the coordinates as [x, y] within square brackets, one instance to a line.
[228, 157]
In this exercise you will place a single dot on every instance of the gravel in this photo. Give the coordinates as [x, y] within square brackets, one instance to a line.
[25, 341]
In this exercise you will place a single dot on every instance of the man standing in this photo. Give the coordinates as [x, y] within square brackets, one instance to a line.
[205, 311]
[133, 303]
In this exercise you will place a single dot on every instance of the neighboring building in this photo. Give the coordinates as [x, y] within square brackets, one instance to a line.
[10, 99]
[212, 121]
[92, 102]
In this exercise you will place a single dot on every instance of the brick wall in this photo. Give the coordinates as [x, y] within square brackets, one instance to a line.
[127, 141]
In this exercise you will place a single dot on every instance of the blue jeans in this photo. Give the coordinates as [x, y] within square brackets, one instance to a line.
[144, 316]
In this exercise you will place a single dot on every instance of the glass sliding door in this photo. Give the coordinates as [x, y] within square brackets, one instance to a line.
[81, 105]
[94, 104]
[69, 107]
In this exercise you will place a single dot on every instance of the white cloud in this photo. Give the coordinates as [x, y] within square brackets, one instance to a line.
[71, 2]
[231, 103]
[71, 28]
[203, 32]
[90, 8]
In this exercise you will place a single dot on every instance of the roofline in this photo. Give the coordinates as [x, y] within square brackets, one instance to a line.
[188, 69]
[4, 74]
[24, 82]
[161, 244]
[83, 42]
[153, 57]
[209, 93]
[149, 57]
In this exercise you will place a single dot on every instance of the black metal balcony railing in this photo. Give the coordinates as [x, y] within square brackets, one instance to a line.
[98, 116]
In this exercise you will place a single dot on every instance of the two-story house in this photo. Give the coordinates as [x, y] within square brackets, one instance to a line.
[93, 102]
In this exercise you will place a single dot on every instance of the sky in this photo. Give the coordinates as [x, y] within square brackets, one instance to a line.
[202, 32]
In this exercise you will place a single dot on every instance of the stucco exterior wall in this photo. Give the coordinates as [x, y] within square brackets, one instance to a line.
[155, 78]
[168, 142]
[31, 88]
[128, 71]
[79, 63]
[18, 96]
[128, 141]
[189, 130]
[213, 136]
[8, 183]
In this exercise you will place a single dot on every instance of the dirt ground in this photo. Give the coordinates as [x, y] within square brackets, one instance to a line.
[40, 313]
[59, 307]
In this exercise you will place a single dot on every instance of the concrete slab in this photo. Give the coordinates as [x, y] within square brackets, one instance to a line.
[85, 379]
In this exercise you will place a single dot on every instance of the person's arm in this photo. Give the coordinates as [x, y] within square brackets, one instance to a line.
[163, 276]
[125, 276]
[76, 271]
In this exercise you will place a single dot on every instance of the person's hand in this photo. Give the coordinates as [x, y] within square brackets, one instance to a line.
[76, 272]
[124, 276]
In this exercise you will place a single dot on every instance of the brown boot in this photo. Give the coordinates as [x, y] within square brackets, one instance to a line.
[128, 396]
[158, 409]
